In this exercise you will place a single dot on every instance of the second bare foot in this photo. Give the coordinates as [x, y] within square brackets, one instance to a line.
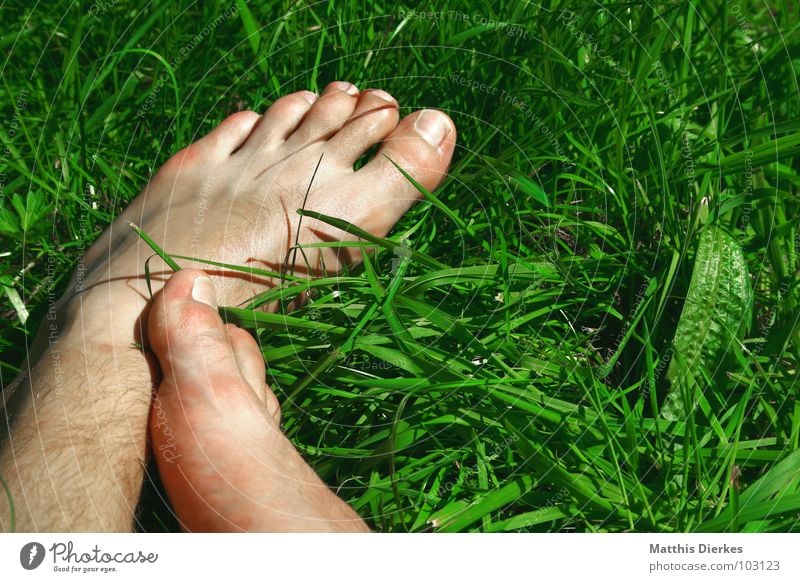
[223, 459]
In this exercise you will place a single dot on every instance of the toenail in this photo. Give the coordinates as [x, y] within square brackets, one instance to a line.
[432, 126]
[344, 87]
[383, 95]
[309, 96]
[203, 291]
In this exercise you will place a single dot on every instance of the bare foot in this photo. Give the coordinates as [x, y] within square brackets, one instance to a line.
[222, 457]
[230, 197]
[233, 195]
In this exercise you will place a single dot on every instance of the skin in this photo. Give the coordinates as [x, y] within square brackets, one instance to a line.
[79, 417]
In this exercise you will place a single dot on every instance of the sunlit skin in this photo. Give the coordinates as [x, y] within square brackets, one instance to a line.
[81, 417]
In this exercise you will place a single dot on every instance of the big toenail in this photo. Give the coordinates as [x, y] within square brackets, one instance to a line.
[351, 90]
[309, 96]
[380, 93]
[203, 291]
[432, 126]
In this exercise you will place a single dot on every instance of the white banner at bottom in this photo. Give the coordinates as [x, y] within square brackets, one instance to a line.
[390, 557]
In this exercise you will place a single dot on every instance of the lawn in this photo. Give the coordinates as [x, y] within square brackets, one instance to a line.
[592, 325]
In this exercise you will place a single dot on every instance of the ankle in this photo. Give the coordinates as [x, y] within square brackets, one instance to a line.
[109, 315]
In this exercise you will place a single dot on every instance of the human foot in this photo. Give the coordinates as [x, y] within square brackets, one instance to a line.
[230, 197]
[214, 430]
[233, 196]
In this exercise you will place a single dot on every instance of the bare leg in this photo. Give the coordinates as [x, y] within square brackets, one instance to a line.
[74, 457]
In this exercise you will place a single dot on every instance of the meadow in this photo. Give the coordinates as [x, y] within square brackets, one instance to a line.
[592, 325]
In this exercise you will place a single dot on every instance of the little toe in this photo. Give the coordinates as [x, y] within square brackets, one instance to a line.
[327, 116]
[374, 118]
[234, 130]
[280, 120]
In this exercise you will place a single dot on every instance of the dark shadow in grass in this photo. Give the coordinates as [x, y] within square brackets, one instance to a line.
[154, 514]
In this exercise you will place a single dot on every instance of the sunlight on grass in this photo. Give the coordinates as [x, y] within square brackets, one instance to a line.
[501, 360]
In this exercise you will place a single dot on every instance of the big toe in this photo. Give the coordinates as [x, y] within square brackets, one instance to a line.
[204, 362]
[422, 144]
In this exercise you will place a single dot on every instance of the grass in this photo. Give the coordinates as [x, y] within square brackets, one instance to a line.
[508, 373]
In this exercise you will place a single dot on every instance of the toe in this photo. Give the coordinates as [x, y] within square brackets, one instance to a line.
[247, 355]
[280, 120]
[216, 146]
[229, 135]
[422, 144]
[327, 116]
[374, 118]
[192, 345]
[250, 363]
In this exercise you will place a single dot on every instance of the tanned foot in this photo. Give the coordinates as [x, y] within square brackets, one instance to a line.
[75, 454]
[221, 455]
